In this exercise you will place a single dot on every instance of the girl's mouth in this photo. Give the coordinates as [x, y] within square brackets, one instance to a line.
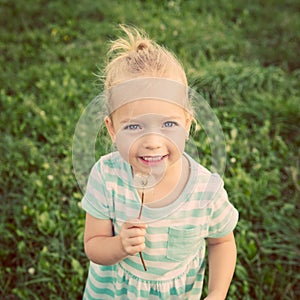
[152, 160]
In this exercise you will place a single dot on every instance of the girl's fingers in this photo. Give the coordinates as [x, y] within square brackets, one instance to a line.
[137, 241]
[134, 223]
[137, 232]
[134, 245]
[133, 250]
[134, 232]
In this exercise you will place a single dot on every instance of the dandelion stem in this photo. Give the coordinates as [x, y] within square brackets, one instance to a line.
[140, 214]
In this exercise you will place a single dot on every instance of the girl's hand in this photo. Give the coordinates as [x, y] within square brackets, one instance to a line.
[132, 235]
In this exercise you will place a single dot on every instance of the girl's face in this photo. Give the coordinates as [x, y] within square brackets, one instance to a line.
[150, 135]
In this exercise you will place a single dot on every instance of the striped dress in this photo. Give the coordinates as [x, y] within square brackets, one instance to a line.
[175, 236]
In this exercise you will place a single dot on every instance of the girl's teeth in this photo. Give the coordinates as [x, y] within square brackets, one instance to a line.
[152, 158]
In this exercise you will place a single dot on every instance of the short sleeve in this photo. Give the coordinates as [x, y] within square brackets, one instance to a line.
[224, 215]
[95, 200]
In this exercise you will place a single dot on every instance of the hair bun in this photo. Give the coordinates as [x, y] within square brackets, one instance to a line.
[141, 46]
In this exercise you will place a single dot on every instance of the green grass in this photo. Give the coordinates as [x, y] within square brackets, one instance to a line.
[243, 58]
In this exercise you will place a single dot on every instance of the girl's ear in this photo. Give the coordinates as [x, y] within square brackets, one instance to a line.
[110, 128]
[188, 122]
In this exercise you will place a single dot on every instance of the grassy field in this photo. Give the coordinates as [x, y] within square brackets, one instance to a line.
[243, 58]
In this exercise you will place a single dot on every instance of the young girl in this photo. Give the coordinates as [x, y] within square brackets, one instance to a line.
[150, 208]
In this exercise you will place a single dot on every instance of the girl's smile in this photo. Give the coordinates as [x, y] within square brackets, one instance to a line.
[152, 160]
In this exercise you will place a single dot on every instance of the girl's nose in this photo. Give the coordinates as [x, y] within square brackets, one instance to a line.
[152, 141]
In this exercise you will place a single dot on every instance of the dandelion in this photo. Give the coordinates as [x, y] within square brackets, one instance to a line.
[233, 160]
[31, 271]
[50, 177]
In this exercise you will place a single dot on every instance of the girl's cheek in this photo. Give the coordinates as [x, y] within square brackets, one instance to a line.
[124, 143]
[177, 139]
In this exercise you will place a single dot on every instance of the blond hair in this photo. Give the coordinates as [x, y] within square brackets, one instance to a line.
[135, 55]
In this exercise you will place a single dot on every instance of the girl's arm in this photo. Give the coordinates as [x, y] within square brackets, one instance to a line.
[222, 260]
[103, 248]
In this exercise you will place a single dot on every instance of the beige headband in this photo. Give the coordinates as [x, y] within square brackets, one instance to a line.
[146, 88]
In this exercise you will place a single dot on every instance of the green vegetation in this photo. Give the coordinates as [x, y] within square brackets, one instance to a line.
[243, 56]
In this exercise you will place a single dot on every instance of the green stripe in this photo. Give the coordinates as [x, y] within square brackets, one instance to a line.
[140, 293]
[86, 205]
[102, 278]
[174, 291]
[221, 210]
[94, 182]
[226, 225]
[161, 258]
[126, 289]
[157, 230]
[158, 244]
[139, 266]
[99, 291]
[196, 213]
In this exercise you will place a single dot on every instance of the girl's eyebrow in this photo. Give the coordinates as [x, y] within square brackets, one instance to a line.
[124, 121]
[139, 118]
[174, 117]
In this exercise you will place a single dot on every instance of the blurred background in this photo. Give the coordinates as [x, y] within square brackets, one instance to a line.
[242, 56]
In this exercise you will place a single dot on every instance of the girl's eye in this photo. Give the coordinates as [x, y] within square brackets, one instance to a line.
[133, 127]
[169, 124]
